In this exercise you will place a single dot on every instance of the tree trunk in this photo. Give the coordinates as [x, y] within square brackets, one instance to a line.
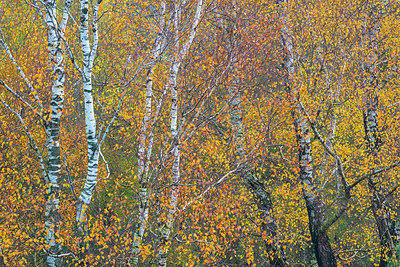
[166, 230]
[370, 31]
[315, 206]
[256, 187]
[179, 55]
[143, 155]
[373, 143]
[90, 120]
[53, 127]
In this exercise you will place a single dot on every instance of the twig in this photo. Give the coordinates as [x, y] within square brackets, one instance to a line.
[21, 72]
[31, 140]
[222, 179]
[375, 172]
[108, 169]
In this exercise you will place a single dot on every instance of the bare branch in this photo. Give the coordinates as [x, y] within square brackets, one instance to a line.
[31, 140]
[20, 98]
[21, 72]
[221, 180]
[372, 173]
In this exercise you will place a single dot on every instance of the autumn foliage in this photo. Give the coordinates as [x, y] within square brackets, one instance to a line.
[226, 133]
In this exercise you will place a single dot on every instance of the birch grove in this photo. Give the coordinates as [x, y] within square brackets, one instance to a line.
[199, 133]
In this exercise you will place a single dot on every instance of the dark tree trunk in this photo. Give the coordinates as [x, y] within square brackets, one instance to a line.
[256, 187]
[374, 142]
[315, 206]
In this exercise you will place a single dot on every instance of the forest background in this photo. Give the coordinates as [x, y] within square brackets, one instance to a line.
[199, 133]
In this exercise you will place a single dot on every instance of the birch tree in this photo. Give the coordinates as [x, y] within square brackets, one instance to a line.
[255, 186]
[55, 33]
[179, 53]
[315, 205]
[252, 183]
[146, 138]
[51, 174]
[373, 136]
[93, 152]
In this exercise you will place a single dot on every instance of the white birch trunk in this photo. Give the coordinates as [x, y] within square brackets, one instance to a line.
[90, 120]
[256, 187]
[145, 133]
[1, 258]
[166, 230]
[179, 55]
[315, 205]
[53, 128]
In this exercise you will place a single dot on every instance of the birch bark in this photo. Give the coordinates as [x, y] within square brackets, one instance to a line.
[372, 136]
[166, 228]
[179, 55]
[146, 133]
[314, 204]
[1, 258]
[53, 127]
[90, 120]
[373, 141]
[256, 187]
[370, 34]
